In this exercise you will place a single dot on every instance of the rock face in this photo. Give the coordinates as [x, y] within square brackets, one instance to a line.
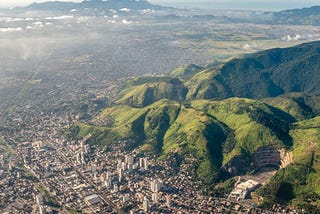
[264, 157]
[286, 158]
[271, 156]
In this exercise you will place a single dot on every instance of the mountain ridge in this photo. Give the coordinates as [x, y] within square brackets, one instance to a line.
[93, 4]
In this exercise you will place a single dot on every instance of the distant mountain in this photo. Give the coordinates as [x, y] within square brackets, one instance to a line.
[55, 6]
[304, 16]
[94, 4]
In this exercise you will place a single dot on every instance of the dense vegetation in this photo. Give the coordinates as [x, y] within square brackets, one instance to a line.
[190, 113]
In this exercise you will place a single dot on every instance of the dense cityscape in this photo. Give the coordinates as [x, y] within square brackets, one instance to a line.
[61, 69]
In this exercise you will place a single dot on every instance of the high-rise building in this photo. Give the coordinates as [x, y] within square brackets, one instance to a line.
[115, 188]
[120, 171]
[119, 164]
[83, 158]
[168, 201]
[123, 166]
[130, 167]
[156, 185]
[107, 183]
[146, 163]
[143, 163]
[42, 210]
[108, 176]
[129, 159]
[39, 200]
[103, 177]
[155, 198]
[146, 204]
[78, 156]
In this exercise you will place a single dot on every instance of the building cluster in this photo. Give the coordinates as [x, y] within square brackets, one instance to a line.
[243, 189]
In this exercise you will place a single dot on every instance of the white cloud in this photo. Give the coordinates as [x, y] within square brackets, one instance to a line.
[246, 47]
[30, 28]
[59, 17]
[147, 11]
[289, 38]
[125, 9]
[4, 30]
[125, 22]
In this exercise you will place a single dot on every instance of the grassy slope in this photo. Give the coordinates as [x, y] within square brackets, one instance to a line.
[196, 133]
[186, 71]
[243, 117]
[150, 92]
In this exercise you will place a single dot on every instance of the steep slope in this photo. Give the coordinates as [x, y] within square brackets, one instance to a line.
[200, 136]
[253, 123]
[265, 74]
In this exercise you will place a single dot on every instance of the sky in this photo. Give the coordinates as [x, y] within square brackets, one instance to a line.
[219, 4]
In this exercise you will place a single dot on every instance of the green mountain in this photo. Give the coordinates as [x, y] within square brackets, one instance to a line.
[212, 116]
[268, 73]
